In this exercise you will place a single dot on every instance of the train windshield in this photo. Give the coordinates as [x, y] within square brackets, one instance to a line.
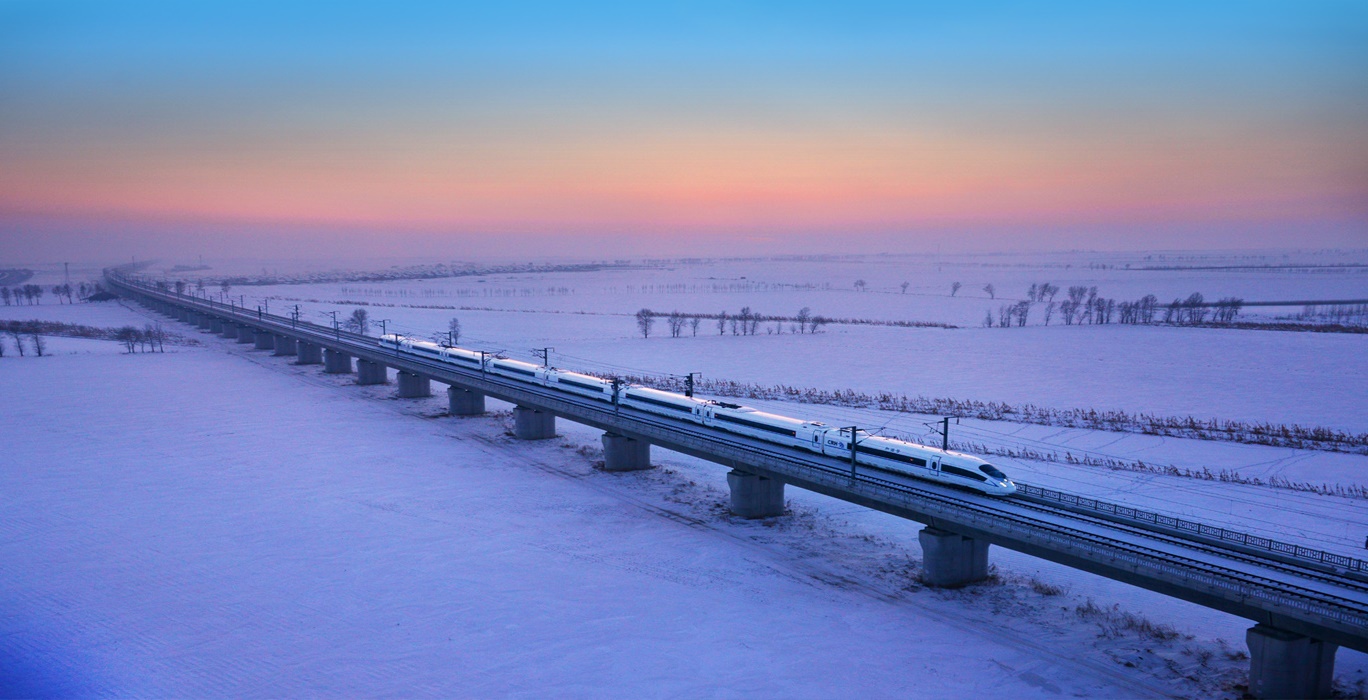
[992, 471]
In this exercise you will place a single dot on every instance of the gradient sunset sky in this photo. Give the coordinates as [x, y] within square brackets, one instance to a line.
[499, 129]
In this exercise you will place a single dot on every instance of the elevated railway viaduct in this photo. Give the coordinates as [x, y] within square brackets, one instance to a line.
[1305, 603]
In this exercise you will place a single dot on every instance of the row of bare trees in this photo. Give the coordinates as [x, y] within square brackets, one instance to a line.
[33, 294]
[744, 322]
[150, 338]
[19, 334]
[1084, 305]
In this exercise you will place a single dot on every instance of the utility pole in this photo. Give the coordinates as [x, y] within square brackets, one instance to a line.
[617, 391]
[382, 323]
[484, 355]
[294, 316]
[689, 383]
[337, 331]
[945, 433]
[544, 354]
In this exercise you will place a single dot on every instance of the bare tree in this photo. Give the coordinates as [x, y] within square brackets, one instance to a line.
[1049, 311]
[954, 288]
[904, 286]
[676, 323]
[1149, 305]
[128, 335]
[992, 291]
[817, 322]
[5, 294]
[693, 325]
[39, 345]
[804, 318]
[180, 286]
[1005, 313]
[156, 337]
[454, 331]
[1021, 310]
[358, 322]
[17, 333]
[1196, 313]
[988, 319]
[645, 319]
[226, 287]
[860, 285]
[722, 323]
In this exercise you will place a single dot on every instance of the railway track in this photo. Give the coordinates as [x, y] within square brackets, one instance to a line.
[1267, 587]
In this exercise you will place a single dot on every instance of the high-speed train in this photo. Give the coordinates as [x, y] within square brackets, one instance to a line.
[888, 454]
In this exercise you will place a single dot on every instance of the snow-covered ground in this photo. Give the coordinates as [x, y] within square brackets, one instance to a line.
[190, 523]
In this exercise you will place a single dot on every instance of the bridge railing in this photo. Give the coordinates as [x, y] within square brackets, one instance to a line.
[1116, 510]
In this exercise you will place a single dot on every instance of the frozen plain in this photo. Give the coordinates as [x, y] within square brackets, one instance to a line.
[885, 562]
[191, 524]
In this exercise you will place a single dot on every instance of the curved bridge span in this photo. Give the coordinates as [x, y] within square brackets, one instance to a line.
[1305, 603]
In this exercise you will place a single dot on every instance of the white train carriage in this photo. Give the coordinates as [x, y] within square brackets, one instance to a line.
[770, 427]
[664, 403]
[424, 348]
[887, 454]
[918, 460]
[517, 369]
[580, 384]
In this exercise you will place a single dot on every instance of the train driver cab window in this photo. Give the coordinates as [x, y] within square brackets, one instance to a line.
[992, 471]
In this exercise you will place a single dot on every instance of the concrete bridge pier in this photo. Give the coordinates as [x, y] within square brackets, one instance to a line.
[461, 402]
[368, 373]
[336, 362]
[228, 330]
[414, 386]
[624, 454]
[951, 560]
[265, 341]
[1288, 665]
[246, 334]
[531, 424]
[309, 354]
[205, 322]
[754, 496]
[285, 345]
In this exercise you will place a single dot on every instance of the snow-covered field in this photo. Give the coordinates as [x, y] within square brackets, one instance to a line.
[218, 521]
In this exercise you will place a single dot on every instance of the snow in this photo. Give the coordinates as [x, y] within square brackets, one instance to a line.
[270, 534]
[217, 521]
